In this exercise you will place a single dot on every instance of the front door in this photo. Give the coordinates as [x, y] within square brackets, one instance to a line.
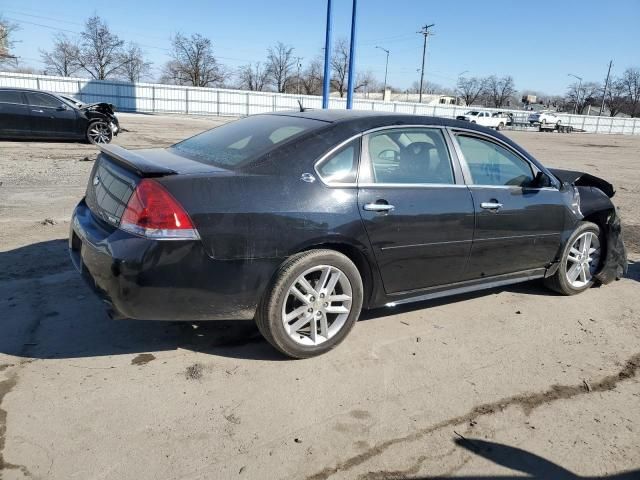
[14, 114]
[518, 224]
[50, 117]
[417, 212]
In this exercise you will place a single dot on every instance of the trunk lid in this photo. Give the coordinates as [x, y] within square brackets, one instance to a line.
[117, 171]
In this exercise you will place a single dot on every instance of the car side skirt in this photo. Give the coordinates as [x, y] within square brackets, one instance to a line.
[466, 287]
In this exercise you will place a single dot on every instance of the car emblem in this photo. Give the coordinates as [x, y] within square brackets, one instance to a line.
[96, 181]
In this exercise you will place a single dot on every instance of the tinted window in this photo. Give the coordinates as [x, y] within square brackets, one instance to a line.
[9, 96]
[43, 100]
[239, 143]
[340, 167]
[415, 155]
[491, 164]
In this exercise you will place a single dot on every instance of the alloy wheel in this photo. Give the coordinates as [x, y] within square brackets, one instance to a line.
[583, 260]
[317, 305]
[100, 132]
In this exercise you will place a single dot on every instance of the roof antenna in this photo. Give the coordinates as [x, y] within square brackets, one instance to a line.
[302, 109]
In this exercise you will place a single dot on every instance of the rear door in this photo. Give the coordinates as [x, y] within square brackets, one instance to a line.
[50, 117]
[14, 114]
[518, 226]
[417, 211]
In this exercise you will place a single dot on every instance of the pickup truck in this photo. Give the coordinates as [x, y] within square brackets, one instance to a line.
[484, 118]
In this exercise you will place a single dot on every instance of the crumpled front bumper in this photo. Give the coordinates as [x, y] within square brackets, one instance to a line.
[615, 264]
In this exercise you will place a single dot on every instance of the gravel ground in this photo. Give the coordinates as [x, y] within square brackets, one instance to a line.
[496, 384]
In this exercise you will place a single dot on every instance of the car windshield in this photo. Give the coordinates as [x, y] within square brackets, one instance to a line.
[74, 102]
[239, 143]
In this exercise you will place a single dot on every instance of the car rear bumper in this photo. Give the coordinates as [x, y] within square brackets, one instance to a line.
[147, 279]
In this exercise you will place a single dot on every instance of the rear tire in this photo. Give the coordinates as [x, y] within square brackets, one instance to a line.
[575, 260]
[317, 290]
[500, 126]
[99, 133]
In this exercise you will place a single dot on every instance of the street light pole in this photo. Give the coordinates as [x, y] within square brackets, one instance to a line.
[425, 32]
[386, 67]
[575, 108]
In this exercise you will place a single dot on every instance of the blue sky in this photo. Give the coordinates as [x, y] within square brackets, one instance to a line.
[500, 37]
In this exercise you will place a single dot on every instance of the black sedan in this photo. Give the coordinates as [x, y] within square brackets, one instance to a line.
[34, 114]
[301, 219]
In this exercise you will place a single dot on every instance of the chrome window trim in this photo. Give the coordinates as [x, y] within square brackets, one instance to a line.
[410, 185]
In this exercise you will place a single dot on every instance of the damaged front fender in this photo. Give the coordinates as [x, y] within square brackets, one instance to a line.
[615, 264]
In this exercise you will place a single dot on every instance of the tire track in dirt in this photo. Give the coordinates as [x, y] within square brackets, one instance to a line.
[526, 401]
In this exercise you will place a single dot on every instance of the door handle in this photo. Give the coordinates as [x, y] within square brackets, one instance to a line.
[378, 207]
[491, 205]
[38, 111]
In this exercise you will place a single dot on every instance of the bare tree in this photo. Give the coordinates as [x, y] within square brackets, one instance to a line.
[366, 82]
[630, 81]
[582, 95]
[6, 30]
[615, 99]
[311, 78]
[340, 66]
[101, 52]
[470, 89]
[63, 58]
[499, 90]
[428, 88]
[134, 65]
[193, 62]
[253, 77]
[280, 65]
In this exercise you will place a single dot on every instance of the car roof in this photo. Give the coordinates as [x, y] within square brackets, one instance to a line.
[361, 120]
[28, 90]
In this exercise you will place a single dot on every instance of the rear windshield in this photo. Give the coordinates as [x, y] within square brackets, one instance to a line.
[239, 143]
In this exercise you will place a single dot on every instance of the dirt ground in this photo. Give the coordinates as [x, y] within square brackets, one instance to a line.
[497, 384]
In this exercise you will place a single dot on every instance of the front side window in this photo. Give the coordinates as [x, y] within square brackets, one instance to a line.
[409, 156]
[11, 96]
[43, 100]
[239, 143]
[341, 166]
[492, 164]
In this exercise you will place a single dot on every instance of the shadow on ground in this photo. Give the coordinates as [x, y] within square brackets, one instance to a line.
[522, 461]
[46, 311]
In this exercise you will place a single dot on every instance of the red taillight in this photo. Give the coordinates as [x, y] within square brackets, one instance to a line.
[152, 212]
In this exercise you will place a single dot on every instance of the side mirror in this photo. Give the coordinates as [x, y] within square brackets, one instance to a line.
[541, 180]
[62, 107]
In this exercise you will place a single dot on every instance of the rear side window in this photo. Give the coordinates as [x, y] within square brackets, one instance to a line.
[491, 164]
[9, 96]
[239, 143]
[341, 166]
[43, 100]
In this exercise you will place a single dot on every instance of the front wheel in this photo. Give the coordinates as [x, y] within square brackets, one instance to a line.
[99, 133]
[580, 261]
[313, 303]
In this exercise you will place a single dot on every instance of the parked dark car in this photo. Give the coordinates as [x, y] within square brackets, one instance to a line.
[35, 114]
[300, 219]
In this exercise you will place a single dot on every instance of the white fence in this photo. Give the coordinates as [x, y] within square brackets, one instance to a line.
[158, 98]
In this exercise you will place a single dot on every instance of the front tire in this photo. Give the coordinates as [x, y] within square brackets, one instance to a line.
[580, 261]
[312, 304]
[99, 132]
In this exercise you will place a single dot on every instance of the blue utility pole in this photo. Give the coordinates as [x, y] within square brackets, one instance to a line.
[352, 55]
[327, 60]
